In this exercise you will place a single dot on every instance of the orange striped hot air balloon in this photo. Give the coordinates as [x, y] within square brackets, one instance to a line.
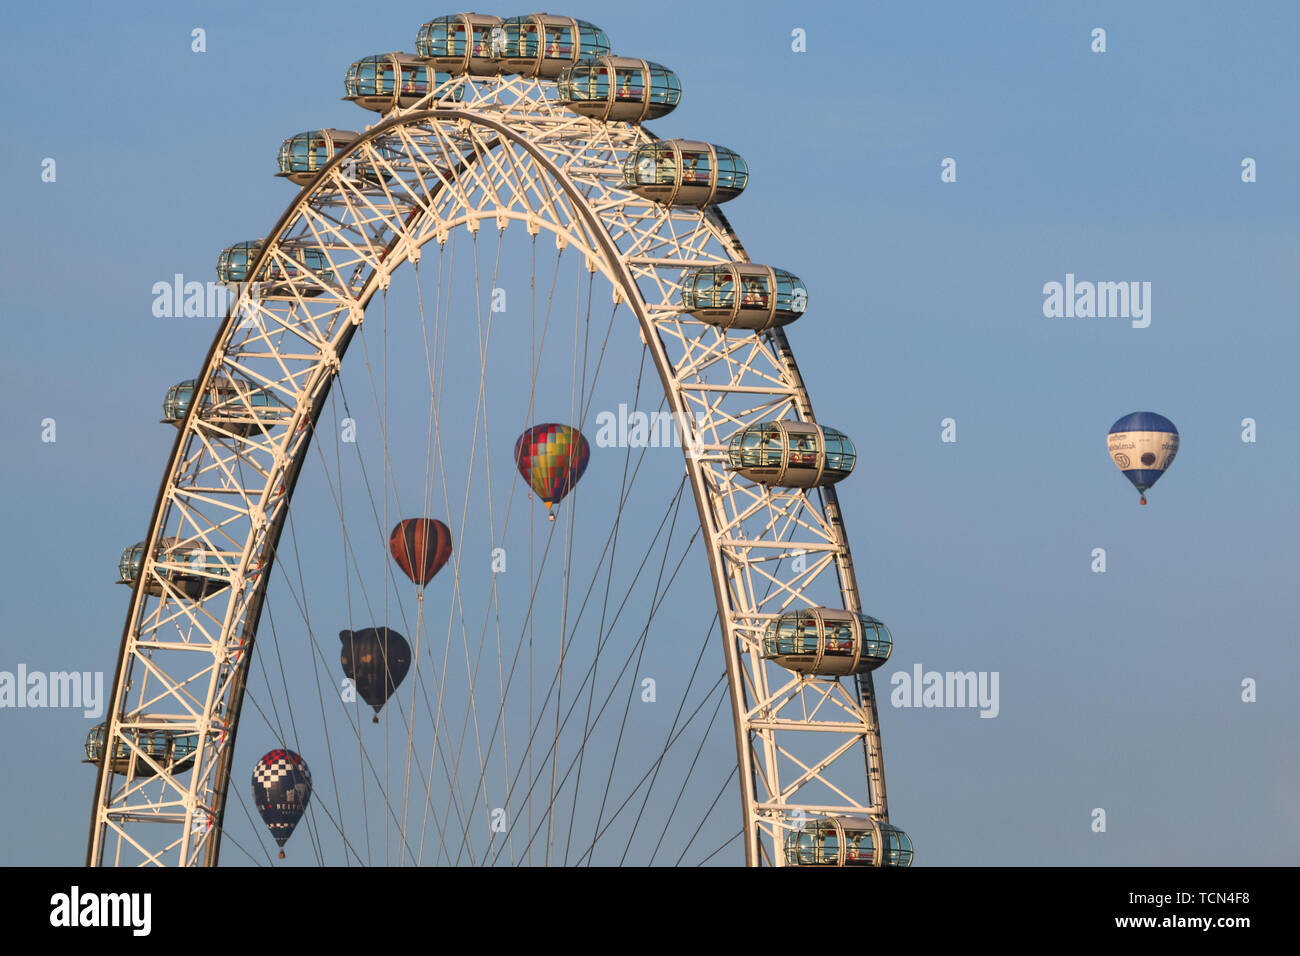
[420, 546]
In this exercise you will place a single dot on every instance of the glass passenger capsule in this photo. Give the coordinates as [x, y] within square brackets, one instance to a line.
[303, 155]
[743, 295]
[682, 172]
[461, 43]
[386, 81]
[619, 88]
[172, 749]
[306, 274]
[827, 641]
[543, 45]
[791, 454]
[237, 408]
[847, 841]
[191, 570]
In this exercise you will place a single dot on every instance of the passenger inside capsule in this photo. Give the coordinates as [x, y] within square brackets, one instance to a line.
[803, 454]
[630, 87]
[412, 82]
[839, 638]
[558, 46]
[807, 635]
[695, 168]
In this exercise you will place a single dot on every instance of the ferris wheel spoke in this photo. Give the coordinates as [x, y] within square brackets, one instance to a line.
[349, 554]
[420, 681]
[281, 735]
[612, 547]
[682, 791]
[356, 727]
[532, 392]
[456, 607]
[654, 778]
[734, 837]
[316, 677]
[628, 706]
[680, 733]
[636, 649]
[243, 805]
[708, 813]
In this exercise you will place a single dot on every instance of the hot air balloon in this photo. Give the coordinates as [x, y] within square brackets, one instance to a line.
[375, 660]
[1143, 446]
[420, 546]
[281, 790]
[552, 458]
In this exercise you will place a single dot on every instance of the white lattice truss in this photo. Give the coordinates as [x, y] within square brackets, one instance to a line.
[505, 153]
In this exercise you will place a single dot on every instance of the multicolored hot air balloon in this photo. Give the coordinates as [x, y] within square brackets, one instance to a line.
[281, 790]
[552, 458]
[1143, 446]
[376, 661]
[420, 546]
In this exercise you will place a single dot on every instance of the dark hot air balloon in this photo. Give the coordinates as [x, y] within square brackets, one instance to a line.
[420, 546]
[375, 660]
[281, 790]
[552, 458]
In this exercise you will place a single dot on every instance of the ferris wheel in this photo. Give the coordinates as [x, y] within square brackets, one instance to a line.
[530, 127]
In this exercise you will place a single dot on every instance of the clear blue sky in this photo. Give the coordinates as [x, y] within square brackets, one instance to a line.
[1119, 690]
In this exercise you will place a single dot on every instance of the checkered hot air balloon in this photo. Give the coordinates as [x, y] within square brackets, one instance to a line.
[552, 458]
[281, 790]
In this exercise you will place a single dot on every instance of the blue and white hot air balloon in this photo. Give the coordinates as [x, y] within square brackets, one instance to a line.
[1143, 446]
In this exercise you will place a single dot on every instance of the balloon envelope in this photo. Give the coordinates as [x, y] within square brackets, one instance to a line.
[1143, 446]
[420, 546]
[281, 790]
[375, 660]
[551, 459]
